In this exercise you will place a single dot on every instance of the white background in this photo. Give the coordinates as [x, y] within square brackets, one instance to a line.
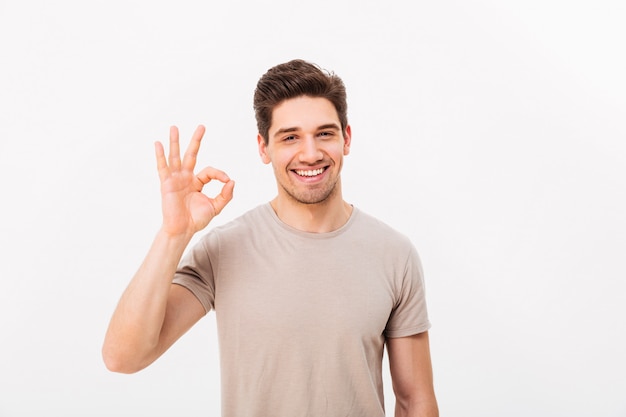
[490, 132]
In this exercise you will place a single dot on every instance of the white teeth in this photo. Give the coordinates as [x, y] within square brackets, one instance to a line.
[309, 173]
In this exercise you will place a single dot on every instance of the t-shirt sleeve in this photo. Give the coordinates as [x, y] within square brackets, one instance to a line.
[410, 315]
[196, 270]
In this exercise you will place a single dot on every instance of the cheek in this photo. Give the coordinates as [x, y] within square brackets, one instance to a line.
[280, 160]
[339, 151]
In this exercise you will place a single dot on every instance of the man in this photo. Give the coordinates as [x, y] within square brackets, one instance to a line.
[307, 289]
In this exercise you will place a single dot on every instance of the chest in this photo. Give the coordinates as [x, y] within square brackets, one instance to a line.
[305, 297]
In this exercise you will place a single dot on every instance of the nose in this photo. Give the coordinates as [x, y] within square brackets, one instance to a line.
[310, 152]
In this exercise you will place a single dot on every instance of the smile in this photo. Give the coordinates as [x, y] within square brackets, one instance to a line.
[309, 173]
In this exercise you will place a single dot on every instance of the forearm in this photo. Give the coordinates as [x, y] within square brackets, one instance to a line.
[412, 376]
[135, 328]
[425, 408]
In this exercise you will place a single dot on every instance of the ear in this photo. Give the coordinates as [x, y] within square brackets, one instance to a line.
[263, 149]
[347, 140]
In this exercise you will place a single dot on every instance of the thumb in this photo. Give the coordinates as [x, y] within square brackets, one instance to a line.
[224, 197]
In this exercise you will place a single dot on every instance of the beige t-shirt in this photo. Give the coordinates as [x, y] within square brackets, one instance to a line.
[302, 317]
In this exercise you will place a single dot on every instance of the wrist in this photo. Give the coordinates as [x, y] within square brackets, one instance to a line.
[174, 239]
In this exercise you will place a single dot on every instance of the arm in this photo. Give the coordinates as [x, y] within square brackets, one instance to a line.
[412, 376]
[152, 312]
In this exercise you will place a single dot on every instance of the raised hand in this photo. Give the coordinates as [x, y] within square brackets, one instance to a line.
[186, 209]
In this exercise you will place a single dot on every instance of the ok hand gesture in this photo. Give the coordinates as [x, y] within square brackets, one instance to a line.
[186, 209]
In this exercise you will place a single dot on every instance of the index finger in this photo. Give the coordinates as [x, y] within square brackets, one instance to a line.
[174, 157]
[189, 160]
[209, 173]
[160, 159]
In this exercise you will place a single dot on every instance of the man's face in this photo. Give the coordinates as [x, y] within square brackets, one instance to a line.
[306, 148]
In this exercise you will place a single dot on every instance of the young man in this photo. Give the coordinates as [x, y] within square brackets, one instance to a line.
[307, 289]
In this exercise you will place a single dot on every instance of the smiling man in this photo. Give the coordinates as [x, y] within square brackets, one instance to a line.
[306, 145]
[307, 289]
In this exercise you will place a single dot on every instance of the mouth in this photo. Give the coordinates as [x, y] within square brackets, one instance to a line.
[310, 172]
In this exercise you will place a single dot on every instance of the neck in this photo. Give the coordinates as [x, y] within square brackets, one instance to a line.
[321, 217]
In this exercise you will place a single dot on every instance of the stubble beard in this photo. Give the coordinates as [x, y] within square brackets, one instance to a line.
[312, 196]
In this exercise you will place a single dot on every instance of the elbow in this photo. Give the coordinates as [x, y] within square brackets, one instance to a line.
[126, 355]
[117, 361]
[421, 409]
[117, 366]
[416, 404]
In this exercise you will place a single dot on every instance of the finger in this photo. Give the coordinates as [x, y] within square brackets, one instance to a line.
[174, 158]
[209, 173]
[189, 160]
[160, 160]
[223, 197]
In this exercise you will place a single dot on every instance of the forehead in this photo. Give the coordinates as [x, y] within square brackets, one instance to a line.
[304, 113]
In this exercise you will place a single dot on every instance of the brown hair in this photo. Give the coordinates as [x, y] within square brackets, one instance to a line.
[294, 79]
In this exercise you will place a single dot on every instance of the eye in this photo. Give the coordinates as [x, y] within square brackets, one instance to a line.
[326, 134]
[289, 138]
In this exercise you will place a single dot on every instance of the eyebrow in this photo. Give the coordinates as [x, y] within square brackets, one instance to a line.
[283, 130]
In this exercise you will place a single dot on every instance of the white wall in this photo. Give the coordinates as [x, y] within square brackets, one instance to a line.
[491, 132]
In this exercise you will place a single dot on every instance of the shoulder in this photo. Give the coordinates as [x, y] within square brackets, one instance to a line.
[376, 229]
[374, 237]
[252, 219]
[242, 229]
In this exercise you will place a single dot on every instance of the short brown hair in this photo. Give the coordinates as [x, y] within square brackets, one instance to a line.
[294, 79]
